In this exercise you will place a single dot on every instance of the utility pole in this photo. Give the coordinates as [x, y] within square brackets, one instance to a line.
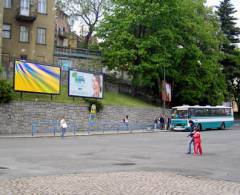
[164, 90]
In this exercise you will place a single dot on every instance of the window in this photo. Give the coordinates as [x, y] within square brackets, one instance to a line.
[23, 57]
[25, 7]
[227, 111]
[65, 63]
[7, 3]
[199, 112]
[42, 6]
[6, 31]
[24, 34]
[41, 35]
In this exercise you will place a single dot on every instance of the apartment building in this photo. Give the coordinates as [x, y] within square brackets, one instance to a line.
[62, 28]
[28, 31]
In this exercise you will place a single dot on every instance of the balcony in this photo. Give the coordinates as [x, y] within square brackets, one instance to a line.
[26, 15]
[62, 34]
[77, 53]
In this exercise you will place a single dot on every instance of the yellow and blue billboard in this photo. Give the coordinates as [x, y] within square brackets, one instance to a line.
[37, 78]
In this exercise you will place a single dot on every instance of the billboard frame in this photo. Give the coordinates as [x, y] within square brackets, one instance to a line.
[35, 62]
[84, 71]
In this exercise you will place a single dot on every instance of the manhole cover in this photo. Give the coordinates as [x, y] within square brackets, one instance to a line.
[124, 164]
[3, 168]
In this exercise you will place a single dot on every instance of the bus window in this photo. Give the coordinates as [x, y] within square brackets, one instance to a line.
[191, 112]
[179, 114]
[199, 112]
[206, 112]
[227, 111]
[213, 112]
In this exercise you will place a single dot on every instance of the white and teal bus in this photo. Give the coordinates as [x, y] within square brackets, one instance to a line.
[205, 117]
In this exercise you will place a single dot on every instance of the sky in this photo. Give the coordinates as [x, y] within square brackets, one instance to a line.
[236, 4]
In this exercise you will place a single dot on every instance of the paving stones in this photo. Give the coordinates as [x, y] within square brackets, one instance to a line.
[118, 183]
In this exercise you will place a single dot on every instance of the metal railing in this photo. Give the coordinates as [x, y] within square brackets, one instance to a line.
[76, 52]
[91, 127]
[50, 127]
[116, 127]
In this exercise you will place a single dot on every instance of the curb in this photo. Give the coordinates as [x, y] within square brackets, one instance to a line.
[50, 135]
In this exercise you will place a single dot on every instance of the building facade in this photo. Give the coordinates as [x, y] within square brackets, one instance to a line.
[69, 51]
[1, 24]
[62, 28]
[28, 31]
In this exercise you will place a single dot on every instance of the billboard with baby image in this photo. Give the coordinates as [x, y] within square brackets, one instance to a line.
[85, 84]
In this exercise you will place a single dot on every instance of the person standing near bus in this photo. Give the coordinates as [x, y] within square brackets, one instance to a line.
[197, 142]
[162, 122]
[190, 135]
[155, 123]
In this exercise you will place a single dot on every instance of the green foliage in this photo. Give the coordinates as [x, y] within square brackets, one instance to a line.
[228, 25]
[181, 36]
[232, 72]
[5, 91]
[99, 105]
[1, 69]
[231, 56]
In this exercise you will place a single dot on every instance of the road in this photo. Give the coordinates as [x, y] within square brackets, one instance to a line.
[159, 154]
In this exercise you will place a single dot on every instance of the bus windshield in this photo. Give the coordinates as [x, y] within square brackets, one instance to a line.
[182, 114]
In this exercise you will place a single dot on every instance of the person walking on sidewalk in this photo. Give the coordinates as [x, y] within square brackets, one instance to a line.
[63, 126]
[125, 122]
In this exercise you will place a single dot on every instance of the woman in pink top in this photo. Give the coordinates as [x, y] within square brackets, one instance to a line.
[197, 142]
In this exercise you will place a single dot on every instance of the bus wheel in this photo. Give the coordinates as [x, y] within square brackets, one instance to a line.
[199, 126]
[222, 126]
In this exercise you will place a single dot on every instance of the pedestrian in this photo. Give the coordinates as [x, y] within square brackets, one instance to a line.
[125, 122]
[190, 135]
[197, 142]
[162, 122]
[168, 122]
[155, 122]
[63, 126]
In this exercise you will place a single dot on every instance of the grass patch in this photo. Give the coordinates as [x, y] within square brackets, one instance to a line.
[112, 98]
[109, 98]
[62, 98]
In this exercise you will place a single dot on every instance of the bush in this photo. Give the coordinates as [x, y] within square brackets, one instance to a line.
[6, 91]
[99, 105]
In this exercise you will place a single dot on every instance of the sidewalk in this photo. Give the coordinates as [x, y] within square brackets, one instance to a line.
[82, 133]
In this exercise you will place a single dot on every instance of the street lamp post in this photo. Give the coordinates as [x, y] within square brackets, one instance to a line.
[164, 90]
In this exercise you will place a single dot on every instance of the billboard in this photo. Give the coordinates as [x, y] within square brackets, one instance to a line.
[85, 84]
[37, 78]
[166, 92]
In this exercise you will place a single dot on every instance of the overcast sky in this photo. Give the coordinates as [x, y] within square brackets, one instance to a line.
[236, 4]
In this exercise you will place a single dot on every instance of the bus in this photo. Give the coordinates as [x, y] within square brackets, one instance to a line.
[204, 117]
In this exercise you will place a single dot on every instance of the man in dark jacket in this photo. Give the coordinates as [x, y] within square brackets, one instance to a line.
[190, 135]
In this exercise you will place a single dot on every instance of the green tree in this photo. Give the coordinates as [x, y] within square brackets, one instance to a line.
[230, 57]
[145, 37]
[228, 25]
[5, 90]
[88, 11]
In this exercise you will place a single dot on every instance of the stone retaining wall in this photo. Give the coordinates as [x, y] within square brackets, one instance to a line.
[17, 117]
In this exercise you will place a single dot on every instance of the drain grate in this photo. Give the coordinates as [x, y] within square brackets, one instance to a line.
[125, 164]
